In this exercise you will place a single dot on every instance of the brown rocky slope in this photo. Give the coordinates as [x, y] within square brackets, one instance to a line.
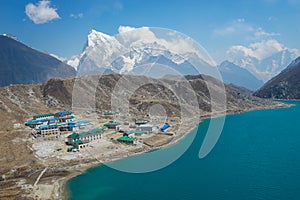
[20, 102]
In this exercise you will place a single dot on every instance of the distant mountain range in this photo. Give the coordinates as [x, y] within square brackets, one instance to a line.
[266, 68]
[141, 52]
[233, 74]
[285, 85]
[20, 64]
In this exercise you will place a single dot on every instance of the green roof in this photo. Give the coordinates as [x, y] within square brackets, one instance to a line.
[74, 136]
[32, 123]
[96, 131]
[83, 134]
[43, 115]
[92, 132]
[78, 142]
[126, 138]
[109, 112]
[112, 123]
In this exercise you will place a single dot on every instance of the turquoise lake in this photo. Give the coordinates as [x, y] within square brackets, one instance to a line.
[256, 157]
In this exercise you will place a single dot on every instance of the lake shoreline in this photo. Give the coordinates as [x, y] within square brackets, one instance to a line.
[78, 170]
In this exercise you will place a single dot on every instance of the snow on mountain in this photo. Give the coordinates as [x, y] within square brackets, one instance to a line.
[74, 61]
[264, 59]
[98, 53]
[143, 47]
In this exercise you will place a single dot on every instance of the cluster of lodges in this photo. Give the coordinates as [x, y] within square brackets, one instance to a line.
[52, 124]
[80, 141]
[139, 128]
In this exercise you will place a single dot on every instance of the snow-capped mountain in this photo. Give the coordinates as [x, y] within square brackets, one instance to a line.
[233, 74]
[286, 85]
[266, 68]
[98, 53]
[142, 50]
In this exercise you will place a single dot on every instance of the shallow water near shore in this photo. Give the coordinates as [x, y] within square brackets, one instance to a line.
[256, 157]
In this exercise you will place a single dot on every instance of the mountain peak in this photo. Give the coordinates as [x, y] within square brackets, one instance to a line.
[134, 47]
[95, 37]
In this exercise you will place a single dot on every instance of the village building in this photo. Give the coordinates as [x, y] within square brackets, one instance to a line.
[133, 133]
[33, 123]
[85, 137]
[63, 116]
[91, 135]
[49, 130]
[165, 127]
[43, 116]
[82, 123]
[109, 112]
[79, 144]
[71, 139]
[140, 121]
[127, 140]
[112, 124]
[69, 125]
[147, 128]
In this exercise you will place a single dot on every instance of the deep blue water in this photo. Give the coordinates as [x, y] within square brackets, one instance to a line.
[256, 157]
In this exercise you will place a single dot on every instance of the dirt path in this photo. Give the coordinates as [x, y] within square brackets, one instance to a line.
[39, 177]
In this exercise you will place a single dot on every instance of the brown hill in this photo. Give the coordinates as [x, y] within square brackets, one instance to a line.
[94, 94]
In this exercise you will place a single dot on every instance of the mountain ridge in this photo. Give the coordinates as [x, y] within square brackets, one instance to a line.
[129, 50]
[285, 85]
[268, 67]
[21, 64]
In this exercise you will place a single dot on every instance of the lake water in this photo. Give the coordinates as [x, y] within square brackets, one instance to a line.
[256, 157]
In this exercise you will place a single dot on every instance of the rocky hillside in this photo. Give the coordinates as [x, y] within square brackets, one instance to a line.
[20, 64]
[94, 94]
[285, 85]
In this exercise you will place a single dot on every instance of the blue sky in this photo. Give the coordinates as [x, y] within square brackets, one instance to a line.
[61, 27]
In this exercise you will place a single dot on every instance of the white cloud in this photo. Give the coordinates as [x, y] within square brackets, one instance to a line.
[76, 16]
[178, 44]
[258, 50]
[123, 29]
[240, 27]
[261, 33]
[41, 12]
[264, 59]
